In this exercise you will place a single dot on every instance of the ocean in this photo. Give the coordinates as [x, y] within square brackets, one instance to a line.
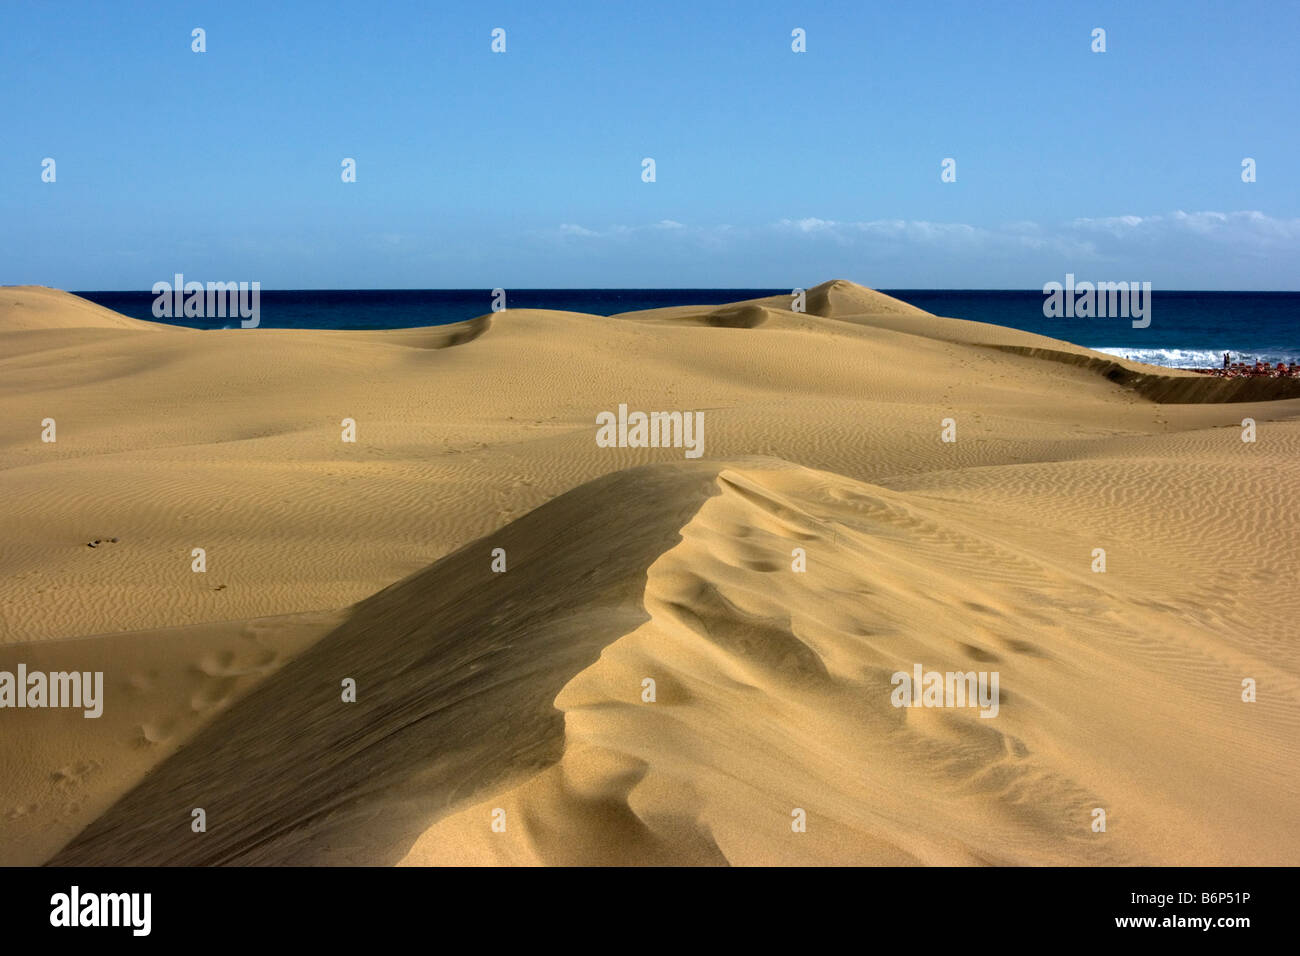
[1187, 330]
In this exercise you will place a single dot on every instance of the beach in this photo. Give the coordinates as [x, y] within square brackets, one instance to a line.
[877, 489]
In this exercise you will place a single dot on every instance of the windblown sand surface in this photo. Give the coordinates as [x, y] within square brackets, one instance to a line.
[521, 691]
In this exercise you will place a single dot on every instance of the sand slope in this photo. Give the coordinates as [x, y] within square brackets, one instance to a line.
[34, 308]
[522, 691]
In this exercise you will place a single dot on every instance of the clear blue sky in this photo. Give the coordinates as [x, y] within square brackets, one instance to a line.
[774, 169]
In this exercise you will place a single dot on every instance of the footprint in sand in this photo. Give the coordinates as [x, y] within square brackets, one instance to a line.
[220, 672]
[141, 683]
[155, 732]
[213, 692]
[227, 663]
[977, 653]
[74, 775]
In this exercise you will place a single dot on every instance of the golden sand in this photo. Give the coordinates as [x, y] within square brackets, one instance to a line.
[519, 697]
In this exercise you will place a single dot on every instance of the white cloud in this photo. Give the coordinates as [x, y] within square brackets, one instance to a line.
[1201, 249]
[1243, 227]
[1114, 224]
[810, 224]
[953, 236]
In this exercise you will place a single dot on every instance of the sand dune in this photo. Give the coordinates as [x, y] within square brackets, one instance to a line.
[34, 308]
[522, 691]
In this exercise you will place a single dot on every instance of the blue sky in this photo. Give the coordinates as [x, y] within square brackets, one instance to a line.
[773, 168]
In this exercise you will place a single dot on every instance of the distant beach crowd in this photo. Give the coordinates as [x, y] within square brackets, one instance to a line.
[1257, 370]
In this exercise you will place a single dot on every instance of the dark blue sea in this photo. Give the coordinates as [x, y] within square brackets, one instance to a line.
[1188, 329]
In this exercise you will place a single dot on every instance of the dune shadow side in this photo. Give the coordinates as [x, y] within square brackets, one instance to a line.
[1171, 389]
[456, 670]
